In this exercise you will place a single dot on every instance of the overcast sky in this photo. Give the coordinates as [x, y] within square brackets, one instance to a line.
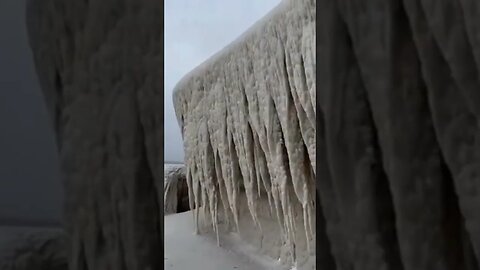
[30, 185]
[194, 31]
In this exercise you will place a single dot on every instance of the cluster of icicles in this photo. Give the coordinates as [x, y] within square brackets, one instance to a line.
[213, 178]
[248, 123]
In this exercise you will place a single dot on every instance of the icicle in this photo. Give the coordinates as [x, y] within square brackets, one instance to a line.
[249, 121]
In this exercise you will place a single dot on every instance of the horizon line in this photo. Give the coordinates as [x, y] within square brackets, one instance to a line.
[27, 222]
[174, 162]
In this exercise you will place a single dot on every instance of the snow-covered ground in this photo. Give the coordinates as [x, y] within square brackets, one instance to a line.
[186, 250]
[183, 248]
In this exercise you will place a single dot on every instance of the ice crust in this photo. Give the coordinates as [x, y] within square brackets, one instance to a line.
[248, 122]
[99, 64]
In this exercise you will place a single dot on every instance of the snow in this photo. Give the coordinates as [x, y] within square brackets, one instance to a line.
[187, 250]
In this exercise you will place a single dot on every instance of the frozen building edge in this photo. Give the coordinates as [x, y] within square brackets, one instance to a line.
[397, 126]
[398, 137]
[99, 62]
[99, 66]
[247, 117]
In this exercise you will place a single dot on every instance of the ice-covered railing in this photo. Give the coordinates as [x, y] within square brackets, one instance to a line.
[247, 117]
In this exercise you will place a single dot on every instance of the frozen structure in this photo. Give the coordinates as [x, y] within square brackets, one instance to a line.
[398, 134]
[398, 138]
[396, 118]
[247, 117]
[100, 66]
[175, 189]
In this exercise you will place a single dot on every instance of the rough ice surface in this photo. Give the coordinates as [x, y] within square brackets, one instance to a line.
[247, 117]
[175, 189]
[397, 120]
[99, 64]
[398, 147]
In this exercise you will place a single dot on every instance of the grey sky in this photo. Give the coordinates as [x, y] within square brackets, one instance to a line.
[29, 174]
[194, 31]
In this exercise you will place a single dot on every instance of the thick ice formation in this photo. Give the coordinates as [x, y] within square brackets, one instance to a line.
[175, 188]
[248, 121]
[398, 111]
[397, 120]
[100, 65]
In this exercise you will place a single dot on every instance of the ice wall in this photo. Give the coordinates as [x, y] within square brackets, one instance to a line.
[247, 117]
[399, 103]
[100, 64]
